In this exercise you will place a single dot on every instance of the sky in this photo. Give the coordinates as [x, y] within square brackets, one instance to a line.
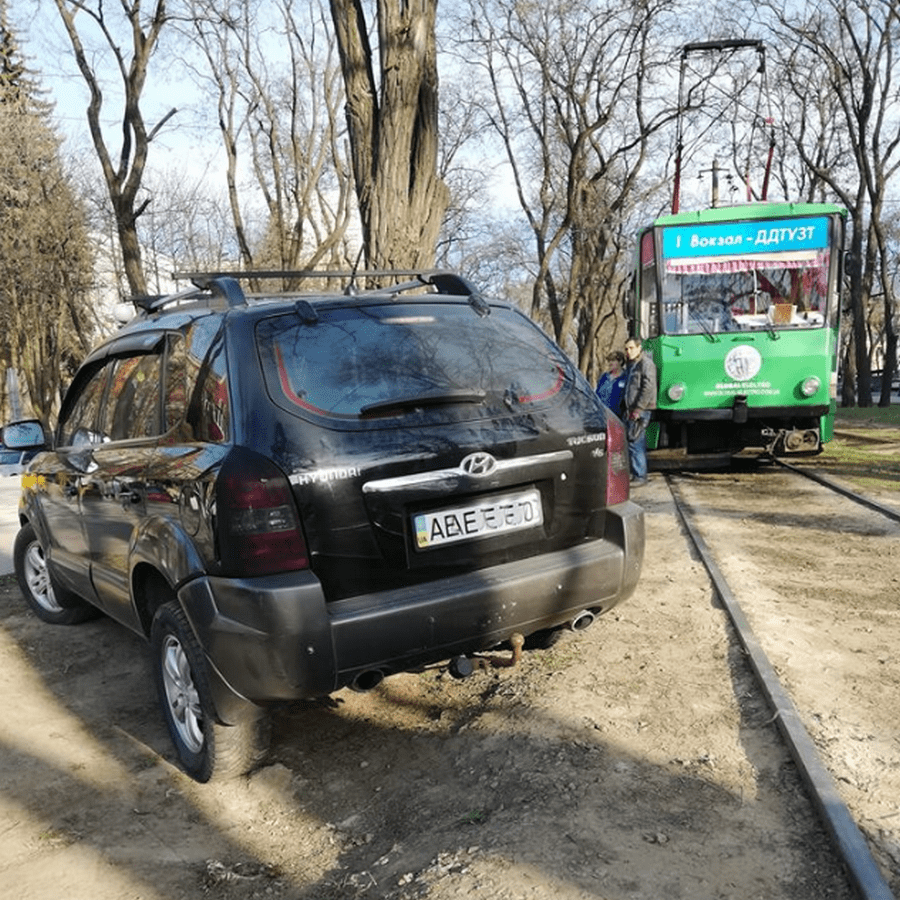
[184, 142]
[190, 140]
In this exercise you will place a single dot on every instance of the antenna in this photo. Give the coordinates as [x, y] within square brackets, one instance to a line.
[351, 288]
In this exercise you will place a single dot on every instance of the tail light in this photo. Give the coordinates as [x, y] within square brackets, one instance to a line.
[257, 520]
[617, 471]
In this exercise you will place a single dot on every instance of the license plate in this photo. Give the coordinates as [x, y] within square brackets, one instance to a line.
[492, 516]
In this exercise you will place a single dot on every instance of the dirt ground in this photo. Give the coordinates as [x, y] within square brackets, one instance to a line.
[823, 595]
[633, 760]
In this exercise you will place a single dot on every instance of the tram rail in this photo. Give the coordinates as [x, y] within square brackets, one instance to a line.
[843, 491]
[851, 845]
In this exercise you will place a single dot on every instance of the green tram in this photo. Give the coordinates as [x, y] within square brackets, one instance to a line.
[739, 307]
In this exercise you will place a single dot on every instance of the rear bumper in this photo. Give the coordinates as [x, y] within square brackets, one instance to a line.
[276, 638]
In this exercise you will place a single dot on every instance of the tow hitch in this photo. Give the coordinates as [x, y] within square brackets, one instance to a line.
[464, 666]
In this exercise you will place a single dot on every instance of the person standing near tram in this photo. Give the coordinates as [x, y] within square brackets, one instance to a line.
[639, 398]
[611, 385]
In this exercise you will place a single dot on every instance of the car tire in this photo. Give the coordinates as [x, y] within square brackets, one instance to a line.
[205, 747]
[48, 601]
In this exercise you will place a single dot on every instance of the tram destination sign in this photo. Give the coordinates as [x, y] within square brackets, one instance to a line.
[741, 238]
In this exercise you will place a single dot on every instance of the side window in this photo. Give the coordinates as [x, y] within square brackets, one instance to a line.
[208, 414]
[78, 424]
[132, 406]
[649, 299]
[175, 399]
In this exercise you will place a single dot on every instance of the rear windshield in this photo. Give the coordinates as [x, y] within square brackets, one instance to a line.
[373, 361]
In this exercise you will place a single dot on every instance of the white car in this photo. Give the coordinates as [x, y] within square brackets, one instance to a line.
[13, 462]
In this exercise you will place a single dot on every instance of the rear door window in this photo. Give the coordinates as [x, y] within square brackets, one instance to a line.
[209, 411]
[133, 406]
[371, 361]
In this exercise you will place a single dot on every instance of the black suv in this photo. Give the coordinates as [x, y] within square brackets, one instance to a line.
[289, 494]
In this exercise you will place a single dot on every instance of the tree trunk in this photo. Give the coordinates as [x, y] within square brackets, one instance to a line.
[860, 291]
[848, 368]
[394, 131]
[123, 180]
[889, 368]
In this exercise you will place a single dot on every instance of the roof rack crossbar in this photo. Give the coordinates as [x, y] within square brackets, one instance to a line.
[226, 286]
[246, 274]
[446, 281]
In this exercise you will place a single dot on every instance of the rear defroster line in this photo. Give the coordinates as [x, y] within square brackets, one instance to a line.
[861, 866]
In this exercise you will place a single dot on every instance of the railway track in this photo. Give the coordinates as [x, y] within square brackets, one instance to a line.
[849, 841]
[832, 485]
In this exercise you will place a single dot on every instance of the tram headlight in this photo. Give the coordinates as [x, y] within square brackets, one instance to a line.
[675, 391]
[810, 386]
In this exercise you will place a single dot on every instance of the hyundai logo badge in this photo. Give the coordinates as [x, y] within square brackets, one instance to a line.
[478, 464]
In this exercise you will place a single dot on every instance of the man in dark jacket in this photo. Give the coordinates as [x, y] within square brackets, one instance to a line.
[639, 398]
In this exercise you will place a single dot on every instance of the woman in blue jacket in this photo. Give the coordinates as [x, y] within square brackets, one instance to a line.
[611, 385]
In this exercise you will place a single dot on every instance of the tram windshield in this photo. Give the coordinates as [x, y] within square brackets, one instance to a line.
[739, 276]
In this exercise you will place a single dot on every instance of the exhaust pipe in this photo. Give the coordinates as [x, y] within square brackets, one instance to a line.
[583, 620]
[367, 681]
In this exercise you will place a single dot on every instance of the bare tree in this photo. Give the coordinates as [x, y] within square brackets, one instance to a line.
[570, 91]
[278, 94]
[188, 226]
[839, 64]
[468, 217]
[392, 116]
[123, 176]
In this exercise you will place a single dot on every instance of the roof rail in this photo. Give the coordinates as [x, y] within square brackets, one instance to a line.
[226, 285]
[446, 281]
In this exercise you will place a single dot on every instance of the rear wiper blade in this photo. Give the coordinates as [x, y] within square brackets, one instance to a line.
[419, 401]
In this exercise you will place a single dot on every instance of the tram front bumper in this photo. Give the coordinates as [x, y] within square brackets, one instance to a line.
[743, 413]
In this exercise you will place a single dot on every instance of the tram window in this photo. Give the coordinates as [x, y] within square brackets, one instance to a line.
[649, 309]
[649, 303]
[697, 302]
[803, 288]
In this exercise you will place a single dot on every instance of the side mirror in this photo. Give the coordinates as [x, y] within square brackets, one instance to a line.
[26, 435]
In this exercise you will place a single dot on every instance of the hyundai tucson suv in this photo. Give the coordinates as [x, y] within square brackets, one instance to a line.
[289, 494]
